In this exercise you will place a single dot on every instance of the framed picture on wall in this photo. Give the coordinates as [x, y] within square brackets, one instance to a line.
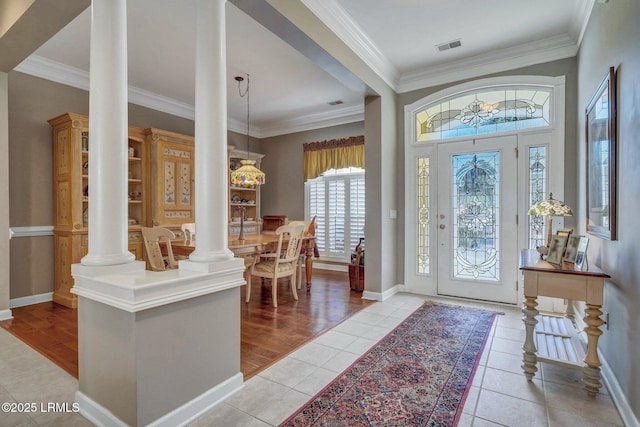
[600, 122]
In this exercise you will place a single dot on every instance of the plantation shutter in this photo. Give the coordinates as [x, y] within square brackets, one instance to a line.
[356, 207]
[337, 200]
[336, 217]
[317, 208]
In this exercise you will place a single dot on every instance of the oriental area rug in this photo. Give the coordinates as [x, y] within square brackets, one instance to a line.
[417, 375]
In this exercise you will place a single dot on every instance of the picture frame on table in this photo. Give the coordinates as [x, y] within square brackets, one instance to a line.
[600, 122]
[556, 249]
[571, 251]
[581, 254]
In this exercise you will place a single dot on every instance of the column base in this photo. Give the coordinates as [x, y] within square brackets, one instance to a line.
[99, 415]
[156, 348]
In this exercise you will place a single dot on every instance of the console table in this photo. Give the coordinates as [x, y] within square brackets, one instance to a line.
[553, 339]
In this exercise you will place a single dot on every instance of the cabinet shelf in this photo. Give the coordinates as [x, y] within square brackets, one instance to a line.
[243, 198]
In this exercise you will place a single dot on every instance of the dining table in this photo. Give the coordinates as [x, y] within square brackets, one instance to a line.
[253, 246]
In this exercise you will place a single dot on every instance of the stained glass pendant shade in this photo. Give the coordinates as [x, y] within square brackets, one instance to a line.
[247, 175]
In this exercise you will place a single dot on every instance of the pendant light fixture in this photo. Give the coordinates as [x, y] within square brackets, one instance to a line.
[247, 175]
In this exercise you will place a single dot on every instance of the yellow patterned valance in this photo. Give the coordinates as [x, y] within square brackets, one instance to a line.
[321, 156]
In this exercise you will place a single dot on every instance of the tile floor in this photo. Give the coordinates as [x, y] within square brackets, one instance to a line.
[500, 394]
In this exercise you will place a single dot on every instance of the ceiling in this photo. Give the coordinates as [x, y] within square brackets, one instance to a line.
[289, 91]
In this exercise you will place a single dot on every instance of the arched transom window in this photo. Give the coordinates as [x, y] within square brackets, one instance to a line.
[487, 110]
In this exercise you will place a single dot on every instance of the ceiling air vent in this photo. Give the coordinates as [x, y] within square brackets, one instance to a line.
[338, 102]
[449, 45]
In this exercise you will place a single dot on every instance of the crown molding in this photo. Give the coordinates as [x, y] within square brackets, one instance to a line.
[47, 69]
[546, 50]
[342, 25]
[581, 19]
[39, 66]
[313, 121]
[165, 104]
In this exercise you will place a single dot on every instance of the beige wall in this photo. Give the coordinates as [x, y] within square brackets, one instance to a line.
[565, 67]
[33, 101]
[4, 195]
[381, 148]
[611, 39]
[283, 194]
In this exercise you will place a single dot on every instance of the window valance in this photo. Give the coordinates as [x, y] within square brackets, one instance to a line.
[334, 154]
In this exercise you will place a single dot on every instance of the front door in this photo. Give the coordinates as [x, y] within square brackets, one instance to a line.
[476, 222]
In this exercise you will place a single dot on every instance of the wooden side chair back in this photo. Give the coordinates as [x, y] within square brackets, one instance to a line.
[153, 239]
[309, 230]
[281, 263]
[189, 230]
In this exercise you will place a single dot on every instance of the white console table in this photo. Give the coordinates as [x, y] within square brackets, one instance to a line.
[553, 339]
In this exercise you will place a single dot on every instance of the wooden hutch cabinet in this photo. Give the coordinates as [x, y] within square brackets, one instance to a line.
[243, 197]
[171, 179]
[71, 173]
[160, 192]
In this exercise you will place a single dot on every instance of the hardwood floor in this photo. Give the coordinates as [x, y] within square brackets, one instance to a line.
[267, 333]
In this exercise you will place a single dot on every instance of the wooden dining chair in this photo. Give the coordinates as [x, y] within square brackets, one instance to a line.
[153, 239]
[309, 230]
[281, 263]
[189, 230]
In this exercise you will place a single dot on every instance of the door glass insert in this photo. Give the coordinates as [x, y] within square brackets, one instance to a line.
[485, 111]
[423, 215]
[475, 212]
[537, 191]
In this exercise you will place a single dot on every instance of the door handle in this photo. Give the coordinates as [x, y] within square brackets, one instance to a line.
[442, 226]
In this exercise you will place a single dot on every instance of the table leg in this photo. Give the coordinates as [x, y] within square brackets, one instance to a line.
[570, 314]
[308, 266]
[529, 358]
[591, 370]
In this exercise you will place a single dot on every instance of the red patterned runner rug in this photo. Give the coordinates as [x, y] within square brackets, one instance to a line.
[417, 375]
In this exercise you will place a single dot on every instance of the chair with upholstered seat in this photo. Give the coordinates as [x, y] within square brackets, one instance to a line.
[281, 263]
[189, 230]
[153, 239]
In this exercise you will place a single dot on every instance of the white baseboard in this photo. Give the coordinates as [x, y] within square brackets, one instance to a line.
[201, 404]
[31, 299]
[331, 267]
[381, 296]
[610, 380]
[6, 314]
[180, 416]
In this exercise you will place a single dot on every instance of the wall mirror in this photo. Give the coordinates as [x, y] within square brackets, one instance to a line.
[600, 119]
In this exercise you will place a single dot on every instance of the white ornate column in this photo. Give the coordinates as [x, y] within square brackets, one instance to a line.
[136, 368]
[108, 135]
[211, 168]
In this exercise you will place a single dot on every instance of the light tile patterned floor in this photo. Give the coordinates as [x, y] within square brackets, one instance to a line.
[499, 396]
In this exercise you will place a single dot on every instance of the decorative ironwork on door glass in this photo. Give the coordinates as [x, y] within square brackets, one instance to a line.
[476, 216]
[485, 111]
[537, 192]
[423, 216]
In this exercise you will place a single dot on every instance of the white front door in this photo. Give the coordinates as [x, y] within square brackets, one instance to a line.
[476, 222]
